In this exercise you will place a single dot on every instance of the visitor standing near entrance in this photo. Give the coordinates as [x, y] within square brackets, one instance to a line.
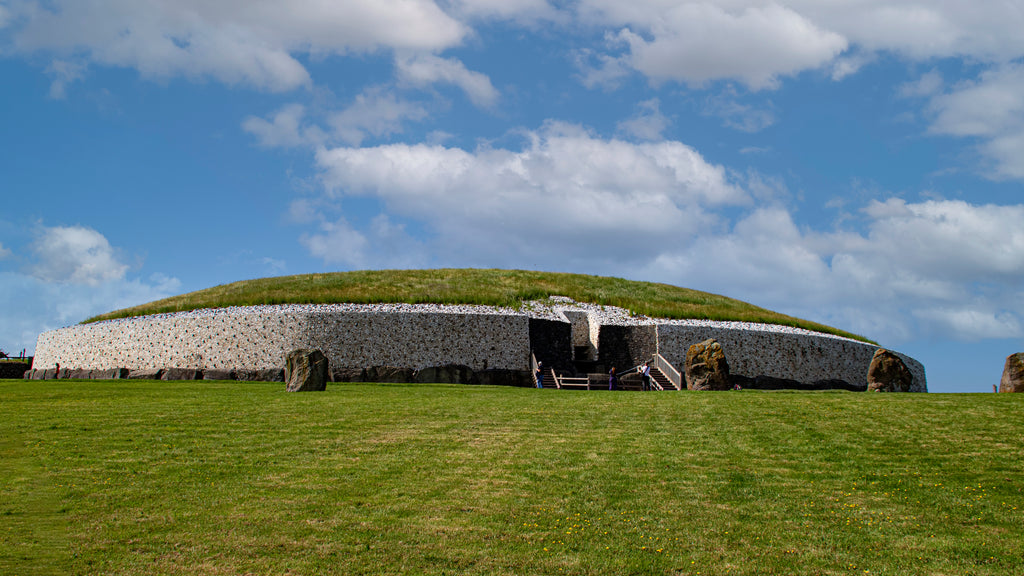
[645, 376]
[540, 375]
[613, 380]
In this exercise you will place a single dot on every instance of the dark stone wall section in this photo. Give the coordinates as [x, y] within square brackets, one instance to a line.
[551, 343]
[626, 346]
[770, 383]
[14, 369]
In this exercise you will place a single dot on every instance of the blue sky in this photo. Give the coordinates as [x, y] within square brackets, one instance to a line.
[856, 163]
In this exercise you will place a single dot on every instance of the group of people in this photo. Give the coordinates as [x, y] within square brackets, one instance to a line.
[613, 379]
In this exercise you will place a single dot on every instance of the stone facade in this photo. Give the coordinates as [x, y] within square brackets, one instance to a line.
[802, 356]
[488, 345]
[260, 337]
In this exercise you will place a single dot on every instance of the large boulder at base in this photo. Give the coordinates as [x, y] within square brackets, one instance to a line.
[181, 374]
[391, 374]
[218, 374]
[260, 375]
[888, 373]
[706, 367]
[147, 374]
[348, 374]
[449, 374]
[13, 369]
[1013, 374]
[306, 371]
[504, 377]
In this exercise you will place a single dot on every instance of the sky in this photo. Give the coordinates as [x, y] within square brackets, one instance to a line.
[857, 163]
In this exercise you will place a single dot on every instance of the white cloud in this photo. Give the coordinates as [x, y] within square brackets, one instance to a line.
[991, 109]
[568, 200]
[39, 305]
[648, 123]
[374, 112]
[928, 84]
[234, 41]
[524, 11]
[381, 244]
[63, 73]
[74, 274]
[935, 268]
[75, 255]
[283, 130]
[425, 69]
[4, 253]
[924, 30]
[849, 65]
[696, 42]
[602, 70]
[736, 115]
[758, 42]
[591, 198]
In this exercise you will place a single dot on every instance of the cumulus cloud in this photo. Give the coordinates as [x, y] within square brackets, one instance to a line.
[380, 243]
[38, 305]
[758, 43]
[4, 253]
[524, 11]
[76, 255]
[285, 129]
[63, 73]
[234, 41]
[737, 115]
[695, 42]
[934, 267]
[376, 113]
[594, 198]
[570, 200]
[992, 110]
[425, 69]
[927, 84]
[648, 123]
[74, 274]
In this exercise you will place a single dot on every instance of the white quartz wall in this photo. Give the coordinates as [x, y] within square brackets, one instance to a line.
[761, 350]
[259, 337]
[420, 336]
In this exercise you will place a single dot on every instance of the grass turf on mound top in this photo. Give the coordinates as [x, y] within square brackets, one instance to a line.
[471, 286]
[134, 477]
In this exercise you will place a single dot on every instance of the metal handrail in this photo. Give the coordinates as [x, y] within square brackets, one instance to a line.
[669, 371]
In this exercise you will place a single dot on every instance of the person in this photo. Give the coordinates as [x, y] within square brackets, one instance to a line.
[540, 375]
[645, 376]
[613, 380]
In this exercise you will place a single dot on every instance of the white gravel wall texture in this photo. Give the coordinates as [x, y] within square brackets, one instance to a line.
[259, 337]
[781, 352]
[420, 336]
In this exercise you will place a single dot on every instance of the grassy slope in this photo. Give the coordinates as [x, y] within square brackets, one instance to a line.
[133, 477]
[491, 287]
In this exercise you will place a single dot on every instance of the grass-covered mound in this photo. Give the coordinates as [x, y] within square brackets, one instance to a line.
[471, 286]
[146, 478]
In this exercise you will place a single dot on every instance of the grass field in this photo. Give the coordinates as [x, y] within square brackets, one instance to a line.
[471, 286]
[136, 477]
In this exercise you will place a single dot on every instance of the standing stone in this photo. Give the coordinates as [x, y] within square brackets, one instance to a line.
[706, 366]
[1013, 374]
[306, 371]
[888, 373]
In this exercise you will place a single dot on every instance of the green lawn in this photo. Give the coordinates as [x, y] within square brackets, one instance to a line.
[138, 477]
[471, 286]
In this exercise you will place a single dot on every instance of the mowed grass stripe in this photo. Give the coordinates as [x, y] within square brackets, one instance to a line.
[134, 477]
